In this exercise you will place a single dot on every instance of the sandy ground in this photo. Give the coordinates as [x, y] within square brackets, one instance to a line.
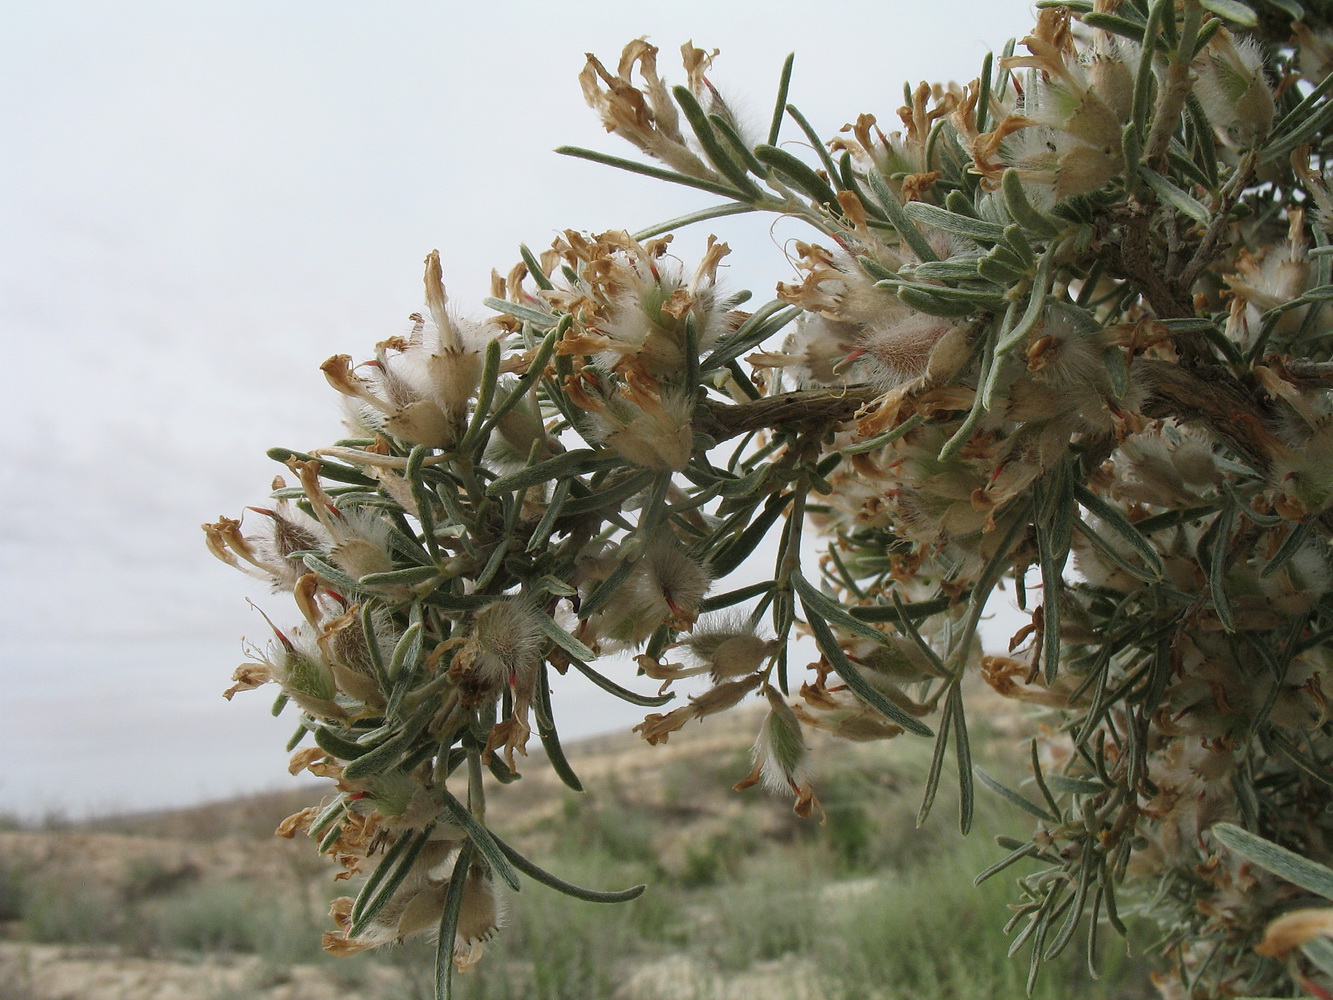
[51, 972]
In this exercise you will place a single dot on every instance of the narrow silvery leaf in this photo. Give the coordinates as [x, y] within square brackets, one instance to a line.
[635, 167]
[1281, 862]
[798, 173]
[1116, 25]
[716, 149]
[448, 929]
[833, 612]
[1013, 797]
[385, 879]
[901, 221]
[1232, 10]
[1175, 197]
[624, 694]
[482, 839]
[1022, 210]
[1220, 556]
[538, 874]
[519, 311]
[952, 222]
[555, 753]
[828, 645]
[570, 463]
[1114, 519]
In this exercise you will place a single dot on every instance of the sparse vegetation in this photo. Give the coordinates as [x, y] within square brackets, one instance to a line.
[746, 894]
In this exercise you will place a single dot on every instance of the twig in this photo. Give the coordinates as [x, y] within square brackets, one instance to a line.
[1209, 247]
[1218, 401]
[803, 410]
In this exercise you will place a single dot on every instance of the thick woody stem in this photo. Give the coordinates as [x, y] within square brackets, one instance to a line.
[806, 410]
[1219, 402]
[1133, 259]
[1213, 398]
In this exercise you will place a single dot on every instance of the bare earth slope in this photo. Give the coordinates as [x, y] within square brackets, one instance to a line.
[63, 883]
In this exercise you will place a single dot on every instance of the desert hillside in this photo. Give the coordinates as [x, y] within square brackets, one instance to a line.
[745, 900]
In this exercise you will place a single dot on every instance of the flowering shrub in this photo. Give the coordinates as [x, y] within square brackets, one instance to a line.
[1067, 330]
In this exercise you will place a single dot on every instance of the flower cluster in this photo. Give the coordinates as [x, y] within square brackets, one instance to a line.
[1019, 351]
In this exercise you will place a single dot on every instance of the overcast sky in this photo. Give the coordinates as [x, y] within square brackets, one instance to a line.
[202, 202]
